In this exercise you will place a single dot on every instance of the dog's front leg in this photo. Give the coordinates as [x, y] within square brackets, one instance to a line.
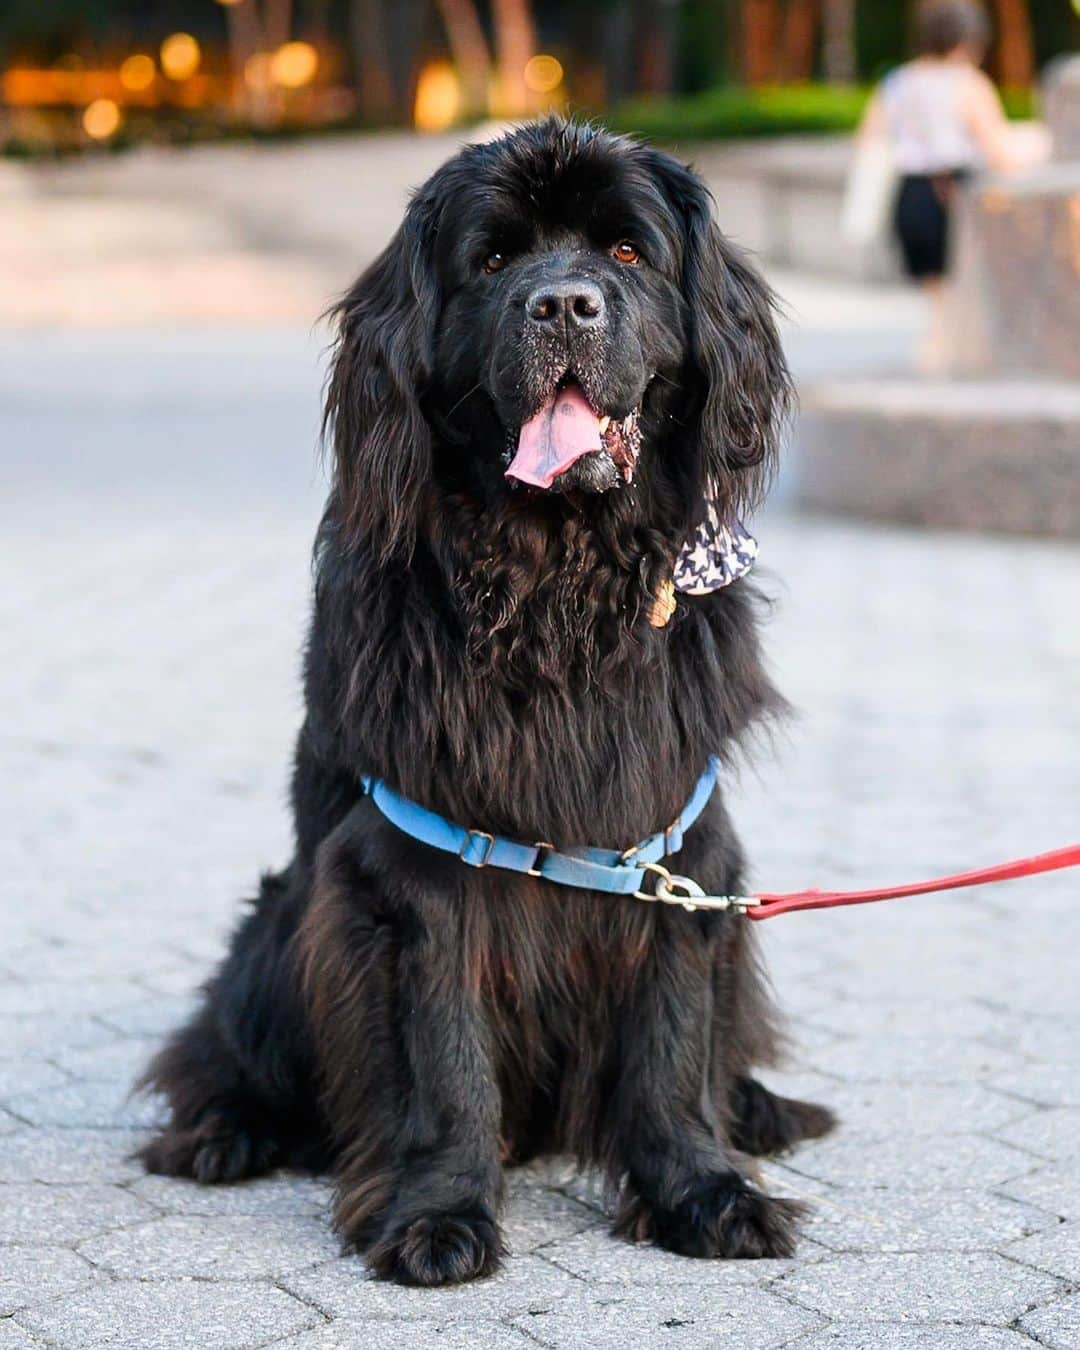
[683, 1184]
[409, 1091]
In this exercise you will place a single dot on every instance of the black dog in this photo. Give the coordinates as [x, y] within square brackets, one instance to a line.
[486, 640]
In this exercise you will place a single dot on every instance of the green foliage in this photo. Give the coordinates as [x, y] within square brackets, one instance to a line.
[1019, 103]
[731, 111]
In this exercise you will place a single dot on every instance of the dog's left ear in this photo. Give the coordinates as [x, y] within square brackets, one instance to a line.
[381, 364]
[744, 388]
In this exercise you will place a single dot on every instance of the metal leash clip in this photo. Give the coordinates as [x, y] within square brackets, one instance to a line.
[672, 889]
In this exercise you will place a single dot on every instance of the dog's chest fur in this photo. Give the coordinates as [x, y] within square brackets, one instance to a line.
[515, 684]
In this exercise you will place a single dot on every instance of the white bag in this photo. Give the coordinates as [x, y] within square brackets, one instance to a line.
[869, 193]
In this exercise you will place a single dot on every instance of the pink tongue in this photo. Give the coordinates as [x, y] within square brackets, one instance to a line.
[562, 431]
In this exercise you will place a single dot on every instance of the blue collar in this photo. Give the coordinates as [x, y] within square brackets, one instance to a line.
[595, 869]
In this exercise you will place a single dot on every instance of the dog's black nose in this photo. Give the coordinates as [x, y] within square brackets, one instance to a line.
[575, 304]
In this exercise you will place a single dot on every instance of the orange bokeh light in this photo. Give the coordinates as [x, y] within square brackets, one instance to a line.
[101, 119]
[180, 56]
[138, 72]
[294, 64]
[543, 74]
[438, 97]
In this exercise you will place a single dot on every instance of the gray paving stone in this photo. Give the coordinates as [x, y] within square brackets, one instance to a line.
[151, 1018]
[1054, 1133]
[231, 1247]
[1053, 1189]
[45, 1033]
[98, 1104]
[913, 1162]
[694, 1319]
[118, 1061]
[1043, 1084]
[179, 1315]
[894, 1018]
[19, 1076]
[57, 1157]
[879, 1336]
[535, 1216]
[1055, 1249]
[601, 1260]
[923, 1287]
[14, 1338]
[31, 1275]
[343, 1289]
[24, 998]
[33, 1213]
[1055, 1324]
[869, 1220]
[915, 1057]
[912, 1109]
[409, 1336]
[562, 1175]
[280, 1195]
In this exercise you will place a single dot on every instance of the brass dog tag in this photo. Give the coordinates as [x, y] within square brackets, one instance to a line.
[663, 607]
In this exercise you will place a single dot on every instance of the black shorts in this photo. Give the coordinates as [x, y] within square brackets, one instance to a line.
[921, 221]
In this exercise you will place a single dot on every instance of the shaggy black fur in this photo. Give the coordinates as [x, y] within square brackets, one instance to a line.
[387, 1011]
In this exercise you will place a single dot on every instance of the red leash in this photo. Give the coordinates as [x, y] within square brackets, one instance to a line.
[814, 899]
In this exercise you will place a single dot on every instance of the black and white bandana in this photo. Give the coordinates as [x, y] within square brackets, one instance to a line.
[718, 553]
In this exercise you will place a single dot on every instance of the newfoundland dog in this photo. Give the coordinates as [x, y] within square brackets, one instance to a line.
[550, 398]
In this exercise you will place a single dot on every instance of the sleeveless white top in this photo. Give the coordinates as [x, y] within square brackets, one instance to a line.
[923, 119]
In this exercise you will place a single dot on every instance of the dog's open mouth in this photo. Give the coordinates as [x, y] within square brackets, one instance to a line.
[564, 429]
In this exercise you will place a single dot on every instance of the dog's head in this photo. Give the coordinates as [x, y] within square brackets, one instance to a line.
[557, 315]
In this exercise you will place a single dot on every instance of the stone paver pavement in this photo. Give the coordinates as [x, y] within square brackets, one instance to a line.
[157, 522]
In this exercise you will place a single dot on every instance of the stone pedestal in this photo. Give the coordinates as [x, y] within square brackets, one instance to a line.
[1061, 106]
[1002, 454]
[1015, 303]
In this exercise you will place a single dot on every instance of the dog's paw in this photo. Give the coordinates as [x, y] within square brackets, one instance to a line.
[438, 1249]
[216, 1150]
[764, 1122]
[722, 1216]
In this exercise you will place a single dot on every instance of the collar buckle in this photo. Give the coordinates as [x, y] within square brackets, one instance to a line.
[487, 845]
[543, 848]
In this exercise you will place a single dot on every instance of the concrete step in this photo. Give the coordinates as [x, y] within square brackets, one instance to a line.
[972, 454]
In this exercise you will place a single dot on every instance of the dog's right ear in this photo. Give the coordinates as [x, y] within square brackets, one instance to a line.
[381, 441]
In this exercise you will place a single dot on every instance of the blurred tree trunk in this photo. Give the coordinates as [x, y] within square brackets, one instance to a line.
[256, 28]
[800, 37]
[471, 53]
[277, 23]
[760, 33]
[243, 42]
[1015, 50]
[515, 42]
[617, 47]
[839, 49]
[371, 61]
[655, 41]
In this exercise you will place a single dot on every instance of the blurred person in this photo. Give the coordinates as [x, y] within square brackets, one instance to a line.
[939, 119]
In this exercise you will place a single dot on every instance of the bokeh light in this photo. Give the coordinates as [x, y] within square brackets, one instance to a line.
[438, 97]
[543, 74]
[180, 56]
[138, 72]
[294, 64]
[101, 119]
[257, 72]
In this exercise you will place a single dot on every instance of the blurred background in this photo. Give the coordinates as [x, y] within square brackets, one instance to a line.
[117, 72]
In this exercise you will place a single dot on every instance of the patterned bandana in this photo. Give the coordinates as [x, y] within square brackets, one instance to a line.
[718, 553]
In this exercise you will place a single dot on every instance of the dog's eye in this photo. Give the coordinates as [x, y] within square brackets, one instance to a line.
[625, 252]
[495, 262]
